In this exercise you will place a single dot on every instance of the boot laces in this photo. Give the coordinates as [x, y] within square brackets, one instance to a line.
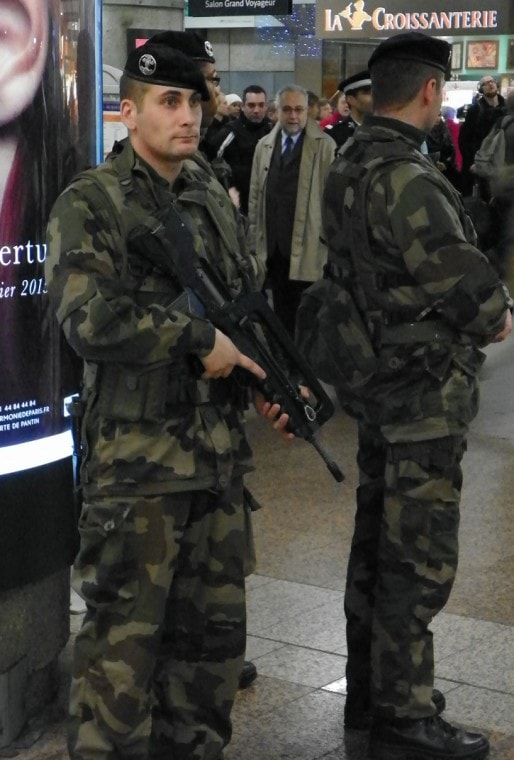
[437, 727]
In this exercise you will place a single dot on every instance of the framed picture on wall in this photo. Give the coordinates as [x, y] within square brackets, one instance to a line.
[138, 37]
[481, 54]
[456, 56]
[510, 54]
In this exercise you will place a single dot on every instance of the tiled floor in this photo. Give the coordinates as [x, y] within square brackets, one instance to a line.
[295, 600]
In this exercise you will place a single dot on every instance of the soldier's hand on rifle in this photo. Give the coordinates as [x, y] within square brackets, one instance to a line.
[506, 328]
[224, 357]
[272, 413]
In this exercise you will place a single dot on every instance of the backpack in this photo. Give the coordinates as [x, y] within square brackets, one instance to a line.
[335, 327]
[332, 335]
[490, 157]
[331, 321]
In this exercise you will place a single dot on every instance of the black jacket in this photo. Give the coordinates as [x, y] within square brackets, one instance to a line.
[342, 130]
[480, 119]
[236, 143]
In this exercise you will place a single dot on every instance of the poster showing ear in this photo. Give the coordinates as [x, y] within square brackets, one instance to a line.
[47, 134]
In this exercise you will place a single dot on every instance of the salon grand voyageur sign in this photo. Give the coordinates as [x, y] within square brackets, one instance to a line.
[240, 7]
[365, 20]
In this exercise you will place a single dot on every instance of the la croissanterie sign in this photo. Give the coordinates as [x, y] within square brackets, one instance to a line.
[240, 7]
[361, 19]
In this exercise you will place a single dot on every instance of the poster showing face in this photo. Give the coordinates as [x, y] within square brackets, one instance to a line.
[47, 134]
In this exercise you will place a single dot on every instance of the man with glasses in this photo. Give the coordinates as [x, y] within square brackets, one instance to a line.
[288, 176]
[480, 119]
[237, 141]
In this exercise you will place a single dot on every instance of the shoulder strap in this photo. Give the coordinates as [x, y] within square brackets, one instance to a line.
[360, 176]
[508, 119]
[224, 145]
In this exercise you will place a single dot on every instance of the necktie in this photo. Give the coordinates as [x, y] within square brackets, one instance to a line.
[288, 148]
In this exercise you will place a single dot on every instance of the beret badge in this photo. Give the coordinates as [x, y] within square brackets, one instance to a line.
[147, 65]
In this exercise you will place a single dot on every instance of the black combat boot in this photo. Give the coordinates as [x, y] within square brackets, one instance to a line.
[248, 674]
[425, 739]
[357, 711]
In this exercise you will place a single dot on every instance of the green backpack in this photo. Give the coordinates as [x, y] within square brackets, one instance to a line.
[334, 324]
[332, 335]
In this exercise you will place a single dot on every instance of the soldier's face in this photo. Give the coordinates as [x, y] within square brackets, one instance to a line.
[209, 107]
[364, 101]
[166, 127]
[436, 101]
[293, 112]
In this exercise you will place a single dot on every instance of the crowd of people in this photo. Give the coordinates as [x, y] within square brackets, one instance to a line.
[279, 196]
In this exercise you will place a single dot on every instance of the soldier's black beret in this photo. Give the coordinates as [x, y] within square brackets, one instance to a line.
[160, 64]
[191, 44]
[355, 82]
[414, 46]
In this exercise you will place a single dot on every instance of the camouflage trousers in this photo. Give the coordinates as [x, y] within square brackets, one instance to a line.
[158, 658]
[401, 569]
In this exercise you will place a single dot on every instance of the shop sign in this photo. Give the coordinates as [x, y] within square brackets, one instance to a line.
[365, 20]
[240, 7]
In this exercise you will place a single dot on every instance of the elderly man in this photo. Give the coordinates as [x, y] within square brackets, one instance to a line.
[288, 176]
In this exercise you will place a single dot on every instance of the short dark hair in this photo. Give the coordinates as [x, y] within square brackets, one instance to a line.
[395, 84]
[132, 89]
[256, 89]
[312, 98]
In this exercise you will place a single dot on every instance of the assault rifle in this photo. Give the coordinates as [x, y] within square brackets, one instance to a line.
[252, 326]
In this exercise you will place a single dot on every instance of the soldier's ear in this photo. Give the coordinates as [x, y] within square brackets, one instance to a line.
[23, 49]
[128, 113]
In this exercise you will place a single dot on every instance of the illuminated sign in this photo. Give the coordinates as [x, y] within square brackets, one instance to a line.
[240, 7]
[48, 132]
[365, 20]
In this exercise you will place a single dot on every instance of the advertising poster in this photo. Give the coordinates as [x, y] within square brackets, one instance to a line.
[47, 134]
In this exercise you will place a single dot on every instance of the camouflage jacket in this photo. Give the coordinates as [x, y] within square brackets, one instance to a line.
[152, 425]
[411, 251]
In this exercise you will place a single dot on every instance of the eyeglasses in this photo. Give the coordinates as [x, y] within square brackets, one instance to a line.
[293, 109]
[214, 80]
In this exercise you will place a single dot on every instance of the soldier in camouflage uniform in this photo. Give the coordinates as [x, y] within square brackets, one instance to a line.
[430, 300]
[161, 560]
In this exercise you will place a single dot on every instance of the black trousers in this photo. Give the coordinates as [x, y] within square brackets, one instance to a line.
[286, 293]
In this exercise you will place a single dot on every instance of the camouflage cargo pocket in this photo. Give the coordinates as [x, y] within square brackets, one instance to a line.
[106, 567]
[132, 394]
[332, 336]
